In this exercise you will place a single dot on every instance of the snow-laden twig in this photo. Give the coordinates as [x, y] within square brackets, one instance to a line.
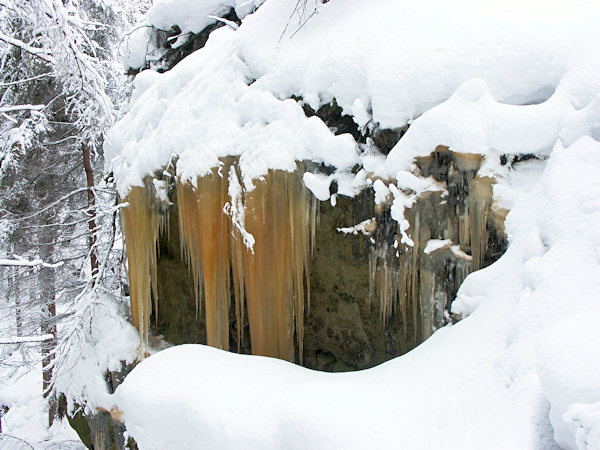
[26, 80]
[5, 109]
[26, 339]
[225, 21]
[29, 263]
[38, 52]
[107, 253]
[51, 205]
[10, 119]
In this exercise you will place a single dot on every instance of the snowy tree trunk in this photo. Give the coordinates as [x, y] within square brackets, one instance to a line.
[89, 176]
[46, 277]
[14, 292]
[14, 285]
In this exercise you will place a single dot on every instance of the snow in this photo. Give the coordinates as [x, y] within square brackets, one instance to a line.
[436, 244]
[102, 341]
[514, 182]
[529, 343]
[192, 16]
[382, 192]
[366, 227]
[24, 424]
[275, 404]
[498, 79]
[236, 210]
[22, 262]
[568, 378]
[189, 16]
[264, 131]
[318, 184]
[550, 275]
[143, 81]
[587, 419]
[111, 341]
[136, 47]
[25, 339]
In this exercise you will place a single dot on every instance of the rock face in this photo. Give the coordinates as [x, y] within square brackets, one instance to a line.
[307, 292]
[343, 331]
[454, 231]
[99, 430]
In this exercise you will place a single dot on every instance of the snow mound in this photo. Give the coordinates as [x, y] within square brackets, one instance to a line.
[192, 393]
[495, 78]
[569, 369]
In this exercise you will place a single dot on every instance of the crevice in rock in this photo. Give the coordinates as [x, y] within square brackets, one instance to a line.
[372, 135]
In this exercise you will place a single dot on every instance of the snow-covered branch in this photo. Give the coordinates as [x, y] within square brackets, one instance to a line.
[225, 21]
[26, 80]
[38, 52]
[13, 108]
[26, 339]
[29, 263]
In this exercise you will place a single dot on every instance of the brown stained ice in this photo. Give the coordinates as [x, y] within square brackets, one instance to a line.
[141, 225]
[272, 279]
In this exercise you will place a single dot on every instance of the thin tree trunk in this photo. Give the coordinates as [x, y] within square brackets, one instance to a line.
[47, 292]
[15, 292]
[49, 326]
[89, 175]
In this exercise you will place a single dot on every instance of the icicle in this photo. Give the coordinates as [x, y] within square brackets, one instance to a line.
[414, 282]
[279, 215]
[241, 240]
[277, 219]
[372, 272]
[403, 295]
[480, 199]
[237, 269]
[141, 223]
[205, 238]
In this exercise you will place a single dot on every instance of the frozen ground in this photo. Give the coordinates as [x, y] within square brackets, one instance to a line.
[25, 422]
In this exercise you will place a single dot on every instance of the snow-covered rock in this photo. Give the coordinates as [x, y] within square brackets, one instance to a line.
[496, 79]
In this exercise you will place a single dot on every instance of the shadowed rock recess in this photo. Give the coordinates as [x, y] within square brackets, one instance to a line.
[305, 292]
